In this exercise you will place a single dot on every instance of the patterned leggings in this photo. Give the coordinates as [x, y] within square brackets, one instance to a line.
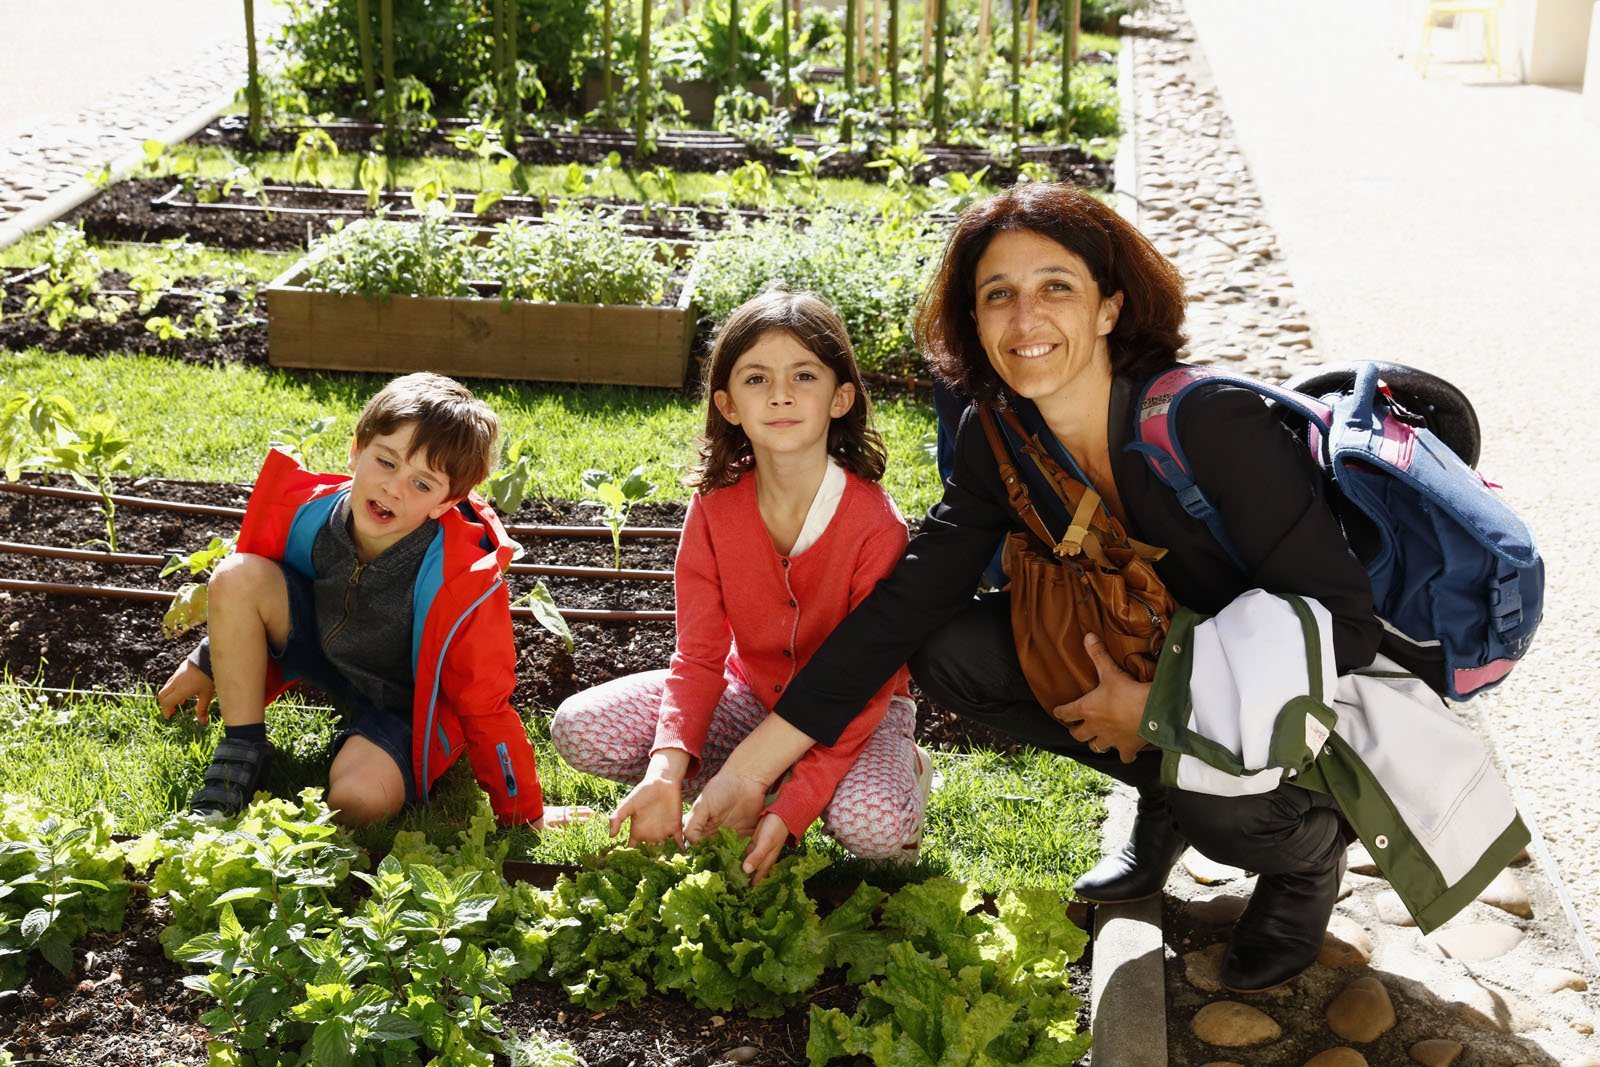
[876, 811]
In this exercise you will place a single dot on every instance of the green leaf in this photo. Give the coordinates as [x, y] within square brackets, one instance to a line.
[546, 613]
[332, 1044]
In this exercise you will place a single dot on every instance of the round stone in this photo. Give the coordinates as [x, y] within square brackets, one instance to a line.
[1233, 1025]
[1391, 909]
[1474, 941]
[1360, 860]
[741, 1054]
[1362, 1011]
[1338, 1057]
[1507, 894]
[1555, 979]
[1436, 1052]
[1208, 871]
[1219, 910]
[1488, 1009]
[1345, 944]
[1202, 968]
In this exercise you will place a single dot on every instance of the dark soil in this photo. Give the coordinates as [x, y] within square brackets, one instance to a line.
[241, 337]
[685, 150]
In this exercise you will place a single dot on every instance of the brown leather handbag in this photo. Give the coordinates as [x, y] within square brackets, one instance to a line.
[1094, 579]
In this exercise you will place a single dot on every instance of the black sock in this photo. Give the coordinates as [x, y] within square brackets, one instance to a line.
[255, 732]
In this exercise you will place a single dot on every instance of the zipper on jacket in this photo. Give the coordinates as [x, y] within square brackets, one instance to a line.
[349, 591]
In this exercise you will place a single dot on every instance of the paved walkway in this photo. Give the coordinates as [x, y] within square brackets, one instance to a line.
[1453, 226]
[87, 81]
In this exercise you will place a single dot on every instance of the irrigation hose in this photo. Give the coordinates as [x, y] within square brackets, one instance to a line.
[118, 592]
[628, 532]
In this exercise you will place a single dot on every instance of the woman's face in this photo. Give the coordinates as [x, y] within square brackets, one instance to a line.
[1041, 317]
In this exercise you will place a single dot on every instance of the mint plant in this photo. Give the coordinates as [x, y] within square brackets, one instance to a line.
[59, 879]
[615, 500]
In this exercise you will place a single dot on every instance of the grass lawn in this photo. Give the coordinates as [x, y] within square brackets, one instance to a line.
[1029, 820]
[215, 423]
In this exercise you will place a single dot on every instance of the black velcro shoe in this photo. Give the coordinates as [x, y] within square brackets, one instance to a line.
[1139, 868]
[238, 769]
[1280, 933]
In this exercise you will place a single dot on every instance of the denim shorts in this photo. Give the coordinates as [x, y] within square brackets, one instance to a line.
[302, 659]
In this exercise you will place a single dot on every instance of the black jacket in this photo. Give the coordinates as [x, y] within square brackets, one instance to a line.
[1250, 466]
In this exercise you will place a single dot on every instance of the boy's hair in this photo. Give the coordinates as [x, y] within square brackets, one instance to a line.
[725, 449]
[456, 432]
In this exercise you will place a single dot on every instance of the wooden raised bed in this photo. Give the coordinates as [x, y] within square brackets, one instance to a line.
[480, 337]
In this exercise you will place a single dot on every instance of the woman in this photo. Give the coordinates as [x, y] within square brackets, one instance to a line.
[1047, 297]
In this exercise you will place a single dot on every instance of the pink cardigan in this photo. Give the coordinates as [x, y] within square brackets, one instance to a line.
[747, 612]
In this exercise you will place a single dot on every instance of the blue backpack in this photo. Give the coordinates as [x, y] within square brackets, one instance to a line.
[1456, 578]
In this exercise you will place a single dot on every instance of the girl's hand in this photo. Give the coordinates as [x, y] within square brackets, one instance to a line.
[556, 815]
[771, 834]
[727, 800]
[653, 810]
[1107, 717]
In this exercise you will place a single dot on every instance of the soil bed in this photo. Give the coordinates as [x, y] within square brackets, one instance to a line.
[684, 150]
[109, 644]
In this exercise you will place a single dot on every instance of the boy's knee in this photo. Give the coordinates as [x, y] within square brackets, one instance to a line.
[243, 576]
[361, 802]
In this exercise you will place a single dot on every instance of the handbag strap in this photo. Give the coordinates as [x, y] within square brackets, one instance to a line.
[1078, 533]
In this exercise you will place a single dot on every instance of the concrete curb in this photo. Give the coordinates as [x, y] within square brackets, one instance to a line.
[1127, 982]
[63, 201]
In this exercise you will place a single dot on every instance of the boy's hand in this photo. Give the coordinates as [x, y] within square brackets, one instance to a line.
[653, 810]
[727, 800]
[187, 682]
[556, 815]
[771, 834]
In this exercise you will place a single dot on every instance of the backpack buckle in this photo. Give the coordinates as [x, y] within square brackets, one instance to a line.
[1505, 602]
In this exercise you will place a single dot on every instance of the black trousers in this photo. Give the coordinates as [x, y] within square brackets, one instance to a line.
[970, 666]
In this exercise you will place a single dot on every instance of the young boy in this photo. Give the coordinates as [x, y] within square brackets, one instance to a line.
[384, 589]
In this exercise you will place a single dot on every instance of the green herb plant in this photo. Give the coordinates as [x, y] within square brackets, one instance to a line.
[59, 879]
[508, 486]
[91, 455]
[616, 500]
[297, 440]
[29, 419]
[546, 612]
[69, 293]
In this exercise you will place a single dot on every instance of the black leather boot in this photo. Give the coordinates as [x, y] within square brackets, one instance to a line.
[1139, 868]
[1280, 933]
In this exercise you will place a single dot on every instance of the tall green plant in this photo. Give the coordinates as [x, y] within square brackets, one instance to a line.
[641, 104]
[369, 78]
[845, 130]
[252, 83]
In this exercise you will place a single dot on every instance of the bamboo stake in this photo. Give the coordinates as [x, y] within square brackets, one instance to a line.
[1069, 58]
[845, 131]
[641, 106]
[369, 78]
[1016, 75]
[928, 10]
[1033, 28]
[386, 43]
[938, 69]
[876, 69]
[894, 70]
[513, 92]
[985, 15]
[605, 60]
[861, 38]
[784, 97]
[252, 84]
[733, 45]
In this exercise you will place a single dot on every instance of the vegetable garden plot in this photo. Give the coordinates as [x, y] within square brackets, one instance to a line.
[684, 150]
[115, 644]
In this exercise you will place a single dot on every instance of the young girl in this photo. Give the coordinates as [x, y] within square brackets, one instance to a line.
[788, 529]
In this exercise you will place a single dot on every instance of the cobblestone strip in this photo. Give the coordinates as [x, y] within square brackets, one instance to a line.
[1502, 983]
[40, 162]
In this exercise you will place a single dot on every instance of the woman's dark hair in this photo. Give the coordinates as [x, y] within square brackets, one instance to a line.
[1149, 329]
[725, 449]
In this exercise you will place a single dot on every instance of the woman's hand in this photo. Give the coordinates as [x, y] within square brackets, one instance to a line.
[729, 799]
[771, 834]
[1107, 717]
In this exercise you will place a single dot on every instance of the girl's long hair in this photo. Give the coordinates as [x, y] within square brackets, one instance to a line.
[725, 451]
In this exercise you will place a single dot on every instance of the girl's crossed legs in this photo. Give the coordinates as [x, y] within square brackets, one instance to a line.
[876, 811]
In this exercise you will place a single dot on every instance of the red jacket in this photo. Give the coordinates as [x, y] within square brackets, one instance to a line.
[748, 612]
[462, 650]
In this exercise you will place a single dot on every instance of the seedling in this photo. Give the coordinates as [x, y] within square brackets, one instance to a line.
[808, 167]
[616, 501]
[312, 149]
[508, 486]
[91, 455]
[29, 418]
[189, 604]
[963, 189]
[297, 442]
[545, 612]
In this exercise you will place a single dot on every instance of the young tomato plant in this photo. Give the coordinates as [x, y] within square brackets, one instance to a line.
[91, 456]
[189, 604]
[615, 501]
[545, 612]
